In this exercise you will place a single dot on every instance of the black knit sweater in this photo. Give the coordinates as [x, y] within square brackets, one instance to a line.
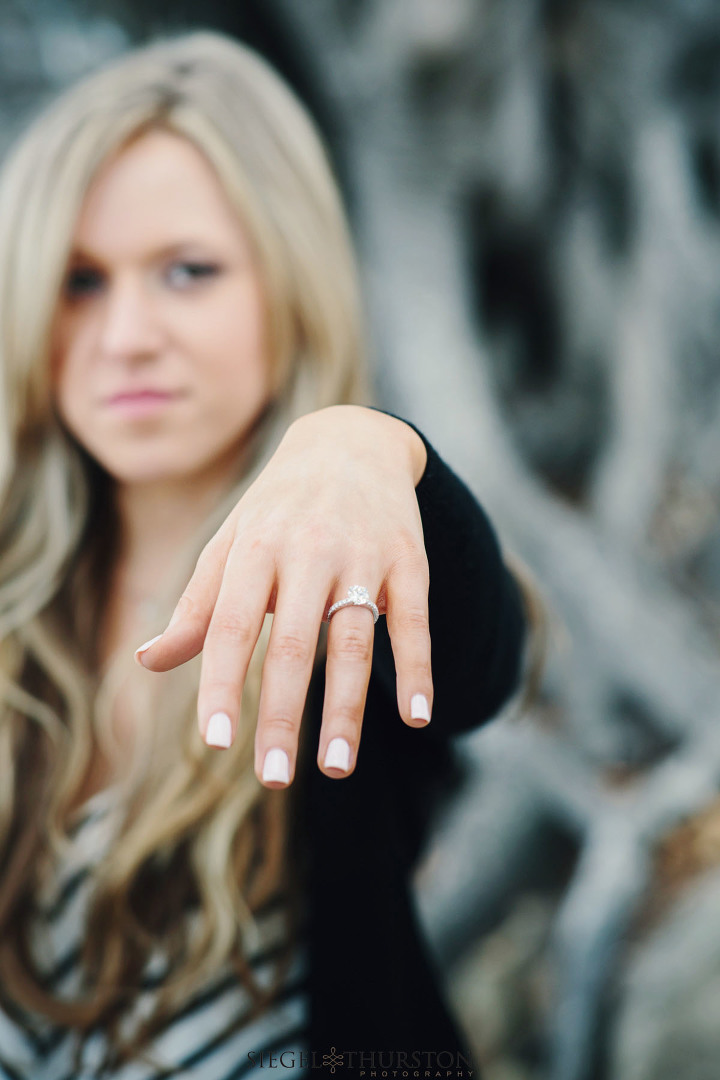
[373, 985]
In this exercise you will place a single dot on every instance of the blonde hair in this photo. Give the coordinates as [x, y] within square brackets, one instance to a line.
[199, 831]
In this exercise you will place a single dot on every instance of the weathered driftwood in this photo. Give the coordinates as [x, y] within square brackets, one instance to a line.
[634, 638]
[579, 398]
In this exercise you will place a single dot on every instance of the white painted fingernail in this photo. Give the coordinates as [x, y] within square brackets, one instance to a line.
[277, 766]
[337, 755]
[139, 651]
[219, 730]
[419, 708]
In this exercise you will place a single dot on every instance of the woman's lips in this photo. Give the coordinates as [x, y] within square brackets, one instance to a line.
[141, 402]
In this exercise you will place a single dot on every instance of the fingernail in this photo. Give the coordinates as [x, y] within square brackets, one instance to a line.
[419, 708]
[219, 730]
[142, 648]
[337, 755]
[276, 766]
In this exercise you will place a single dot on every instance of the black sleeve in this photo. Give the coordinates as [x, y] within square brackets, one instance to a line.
[477, 621]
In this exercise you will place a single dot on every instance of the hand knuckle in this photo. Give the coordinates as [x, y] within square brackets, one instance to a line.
[234, 626]
[417, 563]
[290, 647]
[226, 689]
[322, 553]
[185, 607]
[415, 619]
[408, 544]
[252, 542]
[354, 645]
[412, 557]
[347, 716]
[321, 547]
[316, 535]
[285, 724]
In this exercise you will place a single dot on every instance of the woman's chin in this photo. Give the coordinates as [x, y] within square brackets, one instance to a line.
[148, 472]
[197, 461]
[172, 470]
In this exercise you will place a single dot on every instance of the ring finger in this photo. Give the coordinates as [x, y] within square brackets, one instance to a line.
[347, 674]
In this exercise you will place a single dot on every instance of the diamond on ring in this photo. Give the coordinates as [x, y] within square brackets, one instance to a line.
[359, 596]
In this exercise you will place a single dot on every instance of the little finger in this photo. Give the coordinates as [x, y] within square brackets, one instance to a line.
[409, 631]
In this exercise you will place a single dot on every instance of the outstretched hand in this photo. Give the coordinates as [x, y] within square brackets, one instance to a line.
[334, 507]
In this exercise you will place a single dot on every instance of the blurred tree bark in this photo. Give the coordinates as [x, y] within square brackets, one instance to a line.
[535, 191]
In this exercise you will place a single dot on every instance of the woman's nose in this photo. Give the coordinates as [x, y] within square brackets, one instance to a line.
[130, 327]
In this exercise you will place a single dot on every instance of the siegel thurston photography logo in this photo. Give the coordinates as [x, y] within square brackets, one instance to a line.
[368, 1064]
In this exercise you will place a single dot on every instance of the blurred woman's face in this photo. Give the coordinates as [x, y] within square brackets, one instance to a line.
[158, 348]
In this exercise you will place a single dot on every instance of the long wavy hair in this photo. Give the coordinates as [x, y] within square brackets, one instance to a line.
[201, 846]
[199, 834]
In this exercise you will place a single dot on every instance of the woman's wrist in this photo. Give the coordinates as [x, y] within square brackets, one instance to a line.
[419, 455]
[407, 437]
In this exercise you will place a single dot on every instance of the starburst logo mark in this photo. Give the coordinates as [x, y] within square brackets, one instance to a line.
[332, 1059]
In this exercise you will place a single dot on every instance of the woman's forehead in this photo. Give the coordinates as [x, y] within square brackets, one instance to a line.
[156, 193]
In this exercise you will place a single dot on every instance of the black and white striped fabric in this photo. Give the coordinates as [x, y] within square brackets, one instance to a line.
[198, 1043]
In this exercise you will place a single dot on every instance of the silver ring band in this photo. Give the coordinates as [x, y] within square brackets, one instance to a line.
[357, 596]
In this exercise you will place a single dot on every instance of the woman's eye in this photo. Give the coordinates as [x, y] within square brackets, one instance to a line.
[81, 281]
[186, 273]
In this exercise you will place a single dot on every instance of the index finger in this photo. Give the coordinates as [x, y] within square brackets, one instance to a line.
[231, 637]
[184, 635]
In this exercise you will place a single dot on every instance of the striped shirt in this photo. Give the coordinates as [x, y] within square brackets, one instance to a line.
[197, 1042]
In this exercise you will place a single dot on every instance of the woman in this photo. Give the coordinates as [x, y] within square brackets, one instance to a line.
[185, 415]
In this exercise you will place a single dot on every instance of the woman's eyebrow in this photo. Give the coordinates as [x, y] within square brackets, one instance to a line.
[79, 253]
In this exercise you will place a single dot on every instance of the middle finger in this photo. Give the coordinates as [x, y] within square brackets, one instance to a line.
[286, 673]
